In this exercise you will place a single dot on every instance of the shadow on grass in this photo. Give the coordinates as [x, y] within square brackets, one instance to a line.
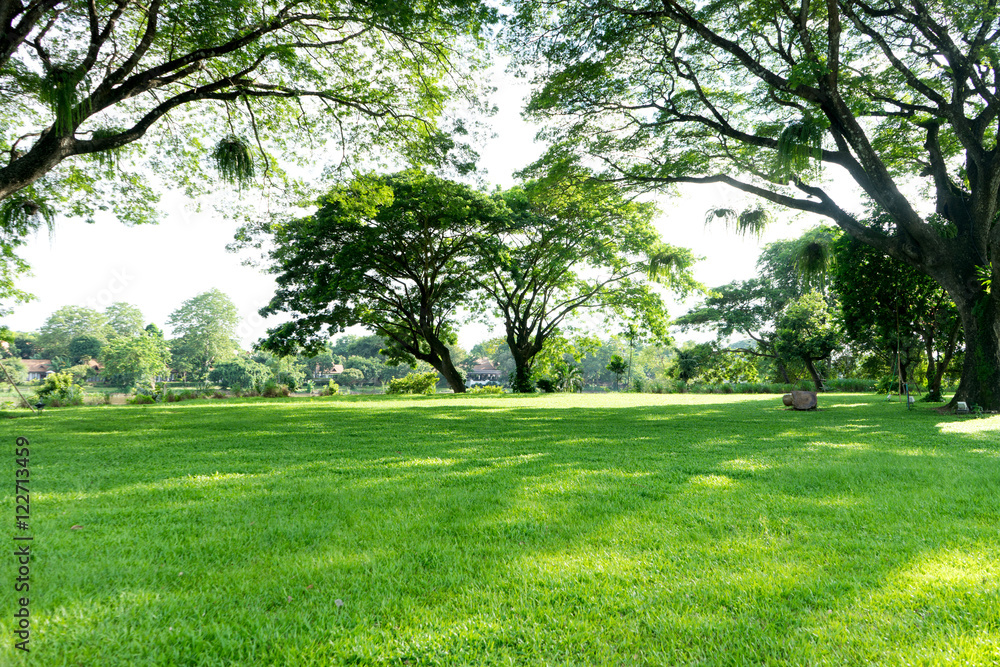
[537, 530]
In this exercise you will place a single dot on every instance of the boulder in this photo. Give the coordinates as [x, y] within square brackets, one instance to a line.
[804, 400]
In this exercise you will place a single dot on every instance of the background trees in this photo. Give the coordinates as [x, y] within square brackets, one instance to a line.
[204, 332]
[67, 323]
[904, 97]
[131, 361]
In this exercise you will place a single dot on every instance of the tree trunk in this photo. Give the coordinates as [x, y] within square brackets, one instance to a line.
[440, 359]
[980, 384]
[817, 380]
[524, 352]
[452, 376]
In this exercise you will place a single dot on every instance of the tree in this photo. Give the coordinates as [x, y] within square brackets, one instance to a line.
[358, 346]
[574, 244]
[569, 379]
[806, 330]
[391, 253]
[26, 344]
[85, 346]
[752, 307]
[87, 83]
[890, 309]
[240, 372]
[67, 323]
[131, 361]
[617, 366]
[902, 97]
[16, 370]
[124, 319]
[205, 330]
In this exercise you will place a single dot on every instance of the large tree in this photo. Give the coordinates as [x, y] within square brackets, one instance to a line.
[574, 244]
[903, 97]
[96, 94]
[391, 253]
[130, 361]
[124, 319]
[204, 330]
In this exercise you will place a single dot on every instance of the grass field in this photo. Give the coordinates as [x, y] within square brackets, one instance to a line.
[537, 530]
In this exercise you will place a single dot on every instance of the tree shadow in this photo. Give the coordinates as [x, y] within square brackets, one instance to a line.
[718, 532]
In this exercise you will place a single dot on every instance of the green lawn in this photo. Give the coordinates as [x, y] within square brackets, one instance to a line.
[614, 529]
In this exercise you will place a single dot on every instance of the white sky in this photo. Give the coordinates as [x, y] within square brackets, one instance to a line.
[158, 267]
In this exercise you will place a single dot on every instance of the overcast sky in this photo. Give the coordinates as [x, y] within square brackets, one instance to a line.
[157, 267]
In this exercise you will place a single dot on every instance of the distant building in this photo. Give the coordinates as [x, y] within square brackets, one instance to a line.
[327, 373]
[484, 372]
[38, 369]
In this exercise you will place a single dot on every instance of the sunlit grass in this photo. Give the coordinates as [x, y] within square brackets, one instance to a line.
[557, 529]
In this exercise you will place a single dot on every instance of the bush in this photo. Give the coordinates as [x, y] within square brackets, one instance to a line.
[273, 390]
[414, 383]
[546, 385]
[638, 384]
[58, 390]
[142, 399]
[485, 389]
[331, 389]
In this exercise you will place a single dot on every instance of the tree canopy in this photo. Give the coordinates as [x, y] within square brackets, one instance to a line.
[97, 95]
[391, 253]
[574, 243]
[67, 323]
[204, 330]
[769, 98]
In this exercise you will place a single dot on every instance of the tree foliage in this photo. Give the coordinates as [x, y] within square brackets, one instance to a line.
[67, 323]
[240, 372]
[752, 308]
[903, 97]
[806, 330]
[97, 95]
[204, 330]
[891, 310]
[391, 253]
[124, 319]
[132, 361]
[574, 244]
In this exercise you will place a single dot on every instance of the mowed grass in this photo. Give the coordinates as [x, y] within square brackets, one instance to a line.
[534, 530]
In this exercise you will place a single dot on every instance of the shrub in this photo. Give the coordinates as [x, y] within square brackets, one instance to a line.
[331, 389]
[887, 384]
[142, 399]
[546, 385]
[58, 390]
[638, 384]
[273, 390]
[485, 389]
[414, 383]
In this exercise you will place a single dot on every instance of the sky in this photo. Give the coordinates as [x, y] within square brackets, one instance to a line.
[158, 267]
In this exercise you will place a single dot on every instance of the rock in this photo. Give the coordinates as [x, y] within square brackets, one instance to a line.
[787, 400]
[804, 400]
